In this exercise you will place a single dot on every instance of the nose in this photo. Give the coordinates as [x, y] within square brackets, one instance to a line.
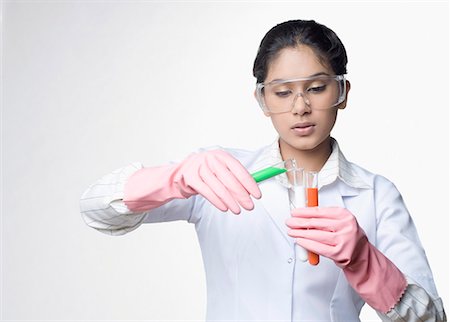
[302, 107]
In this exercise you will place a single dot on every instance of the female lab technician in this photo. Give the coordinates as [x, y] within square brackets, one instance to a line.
[370, 251]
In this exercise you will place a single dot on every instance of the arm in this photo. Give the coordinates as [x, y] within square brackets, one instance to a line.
[102, 206]
[375, 271]
[396, 231]
[215, 174]
[120, 201]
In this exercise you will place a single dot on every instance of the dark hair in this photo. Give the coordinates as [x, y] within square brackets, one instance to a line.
[322, 40]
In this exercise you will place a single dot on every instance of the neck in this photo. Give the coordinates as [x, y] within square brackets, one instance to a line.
[311, 160]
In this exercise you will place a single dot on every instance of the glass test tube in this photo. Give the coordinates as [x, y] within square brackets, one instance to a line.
[297, 199]
[274, 170]
[312, 200]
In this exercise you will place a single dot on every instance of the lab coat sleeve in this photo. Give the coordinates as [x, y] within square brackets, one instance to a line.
[103, 209]
[397, 239]
[416, 305]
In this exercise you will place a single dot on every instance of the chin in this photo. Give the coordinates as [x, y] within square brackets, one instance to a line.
[306, 143]
[303, 144]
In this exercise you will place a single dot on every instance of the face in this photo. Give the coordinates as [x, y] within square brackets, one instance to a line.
[302, 128]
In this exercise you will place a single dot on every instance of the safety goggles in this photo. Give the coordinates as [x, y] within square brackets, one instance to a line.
[318, 92]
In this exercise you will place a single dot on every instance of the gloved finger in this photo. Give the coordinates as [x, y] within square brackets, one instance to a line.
[320, 236]
[317, 212]
[231, 183]
[315, 247]
[218, 188]
[305, 212]
[311, 223]
[204, 190]
[242, 175]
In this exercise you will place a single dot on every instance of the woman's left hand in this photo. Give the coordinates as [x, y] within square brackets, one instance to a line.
[332, 232]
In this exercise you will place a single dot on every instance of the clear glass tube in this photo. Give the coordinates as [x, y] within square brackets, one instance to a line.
[297, 199]
[274, 170]
[312, 200]
[312, 188]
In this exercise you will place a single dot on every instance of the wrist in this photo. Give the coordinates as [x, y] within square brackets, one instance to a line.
[151, 187]
[376, 279]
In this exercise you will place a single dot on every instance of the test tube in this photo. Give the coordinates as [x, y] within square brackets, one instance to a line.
[298, 194]
[297, 199]
[312, 200]
[274, 170]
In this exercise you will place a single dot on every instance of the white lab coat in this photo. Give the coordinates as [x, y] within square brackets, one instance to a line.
[250, 263]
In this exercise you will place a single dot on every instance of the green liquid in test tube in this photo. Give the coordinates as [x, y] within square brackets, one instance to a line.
[267, 173]
[274, 170]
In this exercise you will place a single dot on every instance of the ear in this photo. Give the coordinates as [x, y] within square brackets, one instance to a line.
[256, 98]
[347, 89]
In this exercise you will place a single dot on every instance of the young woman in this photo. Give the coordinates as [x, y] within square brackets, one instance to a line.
[370, 251]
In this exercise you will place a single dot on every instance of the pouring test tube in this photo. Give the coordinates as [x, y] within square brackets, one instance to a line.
[312, 200]
[274, 170]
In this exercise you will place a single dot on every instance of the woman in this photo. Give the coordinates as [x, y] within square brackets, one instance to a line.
[370, 251]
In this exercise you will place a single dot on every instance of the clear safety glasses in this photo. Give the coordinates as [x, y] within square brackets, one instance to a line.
[318, 93]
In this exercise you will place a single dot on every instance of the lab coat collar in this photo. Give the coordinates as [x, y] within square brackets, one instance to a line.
[336, 167]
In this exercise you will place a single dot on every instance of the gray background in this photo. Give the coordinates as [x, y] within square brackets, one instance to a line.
[92, 86]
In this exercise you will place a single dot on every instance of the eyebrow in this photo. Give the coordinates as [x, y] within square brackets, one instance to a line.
[313, 75]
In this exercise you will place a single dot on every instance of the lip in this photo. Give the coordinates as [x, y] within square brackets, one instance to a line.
[302, 125]
[303, 129]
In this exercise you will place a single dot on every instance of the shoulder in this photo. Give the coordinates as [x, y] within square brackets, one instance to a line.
[355, 175]
[375, 181]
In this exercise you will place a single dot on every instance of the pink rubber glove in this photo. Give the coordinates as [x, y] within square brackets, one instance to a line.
[335, 233]
[216, 175]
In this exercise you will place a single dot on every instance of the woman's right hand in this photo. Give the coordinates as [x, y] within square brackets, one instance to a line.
[216, 175]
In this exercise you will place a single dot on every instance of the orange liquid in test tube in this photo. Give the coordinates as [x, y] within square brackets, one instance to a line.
[312, 197]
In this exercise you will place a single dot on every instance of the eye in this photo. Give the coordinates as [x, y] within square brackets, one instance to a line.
[317, 89]
[284, 93]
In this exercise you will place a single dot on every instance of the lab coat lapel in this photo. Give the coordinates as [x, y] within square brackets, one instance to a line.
[336, 194]
[275, 200]
[275, 197]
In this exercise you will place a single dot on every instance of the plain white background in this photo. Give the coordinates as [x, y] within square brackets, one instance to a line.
[90, 86]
